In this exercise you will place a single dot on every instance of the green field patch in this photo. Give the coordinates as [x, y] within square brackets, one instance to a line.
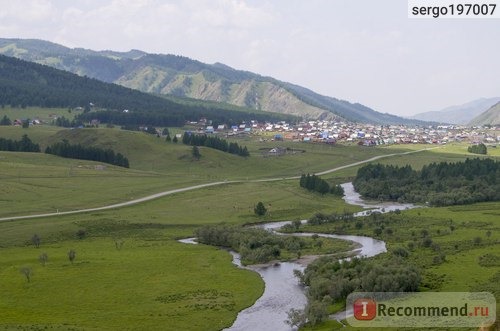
[202, 299]
[108, 288]
[489, 260]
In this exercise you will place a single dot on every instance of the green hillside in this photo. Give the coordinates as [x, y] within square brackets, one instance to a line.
[184, 77]
[489, 117]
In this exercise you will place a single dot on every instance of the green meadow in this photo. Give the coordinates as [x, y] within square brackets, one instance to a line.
[47, 115]
[131, 273]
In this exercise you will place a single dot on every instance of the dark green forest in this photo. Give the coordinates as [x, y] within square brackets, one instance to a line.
[439, 184]
[23, 145]
[64, 149]
[214, 142]
[26, 84]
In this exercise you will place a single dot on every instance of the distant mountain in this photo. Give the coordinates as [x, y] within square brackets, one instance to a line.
[461, 114]
[489, 117]
[24, 83]
[181, 76]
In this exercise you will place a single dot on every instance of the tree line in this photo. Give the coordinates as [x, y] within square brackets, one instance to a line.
[214, 142]
[440, 184]
[5, 120]
[65, 149]
[66, 123]
[316, 184]
[23, 145]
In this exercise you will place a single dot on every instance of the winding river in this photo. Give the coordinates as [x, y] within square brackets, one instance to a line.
[282, 291]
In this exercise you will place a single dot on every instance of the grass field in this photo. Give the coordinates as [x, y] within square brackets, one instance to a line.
[35, 182]
[153, 281]
[136, 287]
[47, 115]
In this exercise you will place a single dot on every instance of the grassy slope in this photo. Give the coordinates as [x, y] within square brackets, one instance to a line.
[64, 184]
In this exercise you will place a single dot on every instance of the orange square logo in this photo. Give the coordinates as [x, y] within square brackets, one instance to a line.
[364, 309]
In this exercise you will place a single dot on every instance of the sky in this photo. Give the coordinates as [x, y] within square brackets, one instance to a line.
[365, 51]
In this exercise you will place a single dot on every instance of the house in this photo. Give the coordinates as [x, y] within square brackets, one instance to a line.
[276, 151]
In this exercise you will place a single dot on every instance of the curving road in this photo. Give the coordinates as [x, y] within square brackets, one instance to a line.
[195, 187]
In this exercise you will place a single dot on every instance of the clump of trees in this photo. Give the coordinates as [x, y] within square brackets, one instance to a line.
[255, 245]
[23, 145]
[214, 142]
[5, 120]
[478, 149]
[65, 149]
[66, 123]
[329, 281]
[440, 184]
[316, 184]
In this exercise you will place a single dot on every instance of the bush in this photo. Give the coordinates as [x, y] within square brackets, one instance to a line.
[260, 209]
[400, 251]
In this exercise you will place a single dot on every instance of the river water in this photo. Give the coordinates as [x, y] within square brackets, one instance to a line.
[282, 291]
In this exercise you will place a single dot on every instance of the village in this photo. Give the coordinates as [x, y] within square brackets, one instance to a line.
[329, 132]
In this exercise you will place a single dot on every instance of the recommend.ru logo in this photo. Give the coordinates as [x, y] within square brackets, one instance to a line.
[429, 309]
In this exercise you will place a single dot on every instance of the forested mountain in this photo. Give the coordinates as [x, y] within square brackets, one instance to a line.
[30, 84]
[489, 117]
[181, 76]
[461, 114]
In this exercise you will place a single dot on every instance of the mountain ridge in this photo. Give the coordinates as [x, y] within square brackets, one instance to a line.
[181, 76]
[489, 117]
[458, 114]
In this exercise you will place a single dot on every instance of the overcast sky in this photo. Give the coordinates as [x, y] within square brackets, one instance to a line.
[365, 51]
